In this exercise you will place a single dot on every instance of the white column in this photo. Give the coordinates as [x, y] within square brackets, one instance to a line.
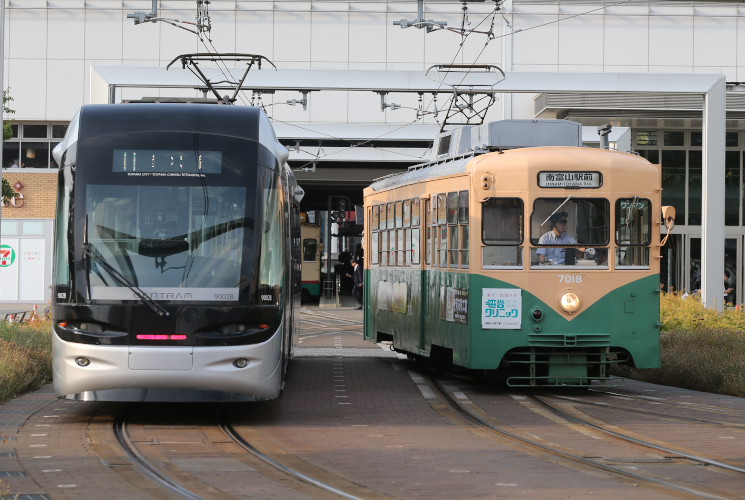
[2, 83]
[712, 228]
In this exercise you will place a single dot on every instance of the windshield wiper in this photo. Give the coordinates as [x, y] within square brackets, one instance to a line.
[156, 308]
[556, 209]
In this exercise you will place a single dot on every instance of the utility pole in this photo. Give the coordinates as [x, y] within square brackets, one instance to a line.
[2, 87]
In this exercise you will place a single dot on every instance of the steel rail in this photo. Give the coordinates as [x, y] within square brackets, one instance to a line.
[341, 321]
[230, 431]
[472, 417]
[684, 404]
[145, 467]
[638, 411]
[630, 439]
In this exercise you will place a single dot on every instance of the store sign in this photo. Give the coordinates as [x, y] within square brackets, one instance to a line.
[7, 256]
[570, 179]
[16, 200]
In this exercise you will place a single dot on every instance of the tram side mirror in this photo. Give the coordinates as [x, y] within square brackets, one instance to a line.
[668, 219]
[668, 216]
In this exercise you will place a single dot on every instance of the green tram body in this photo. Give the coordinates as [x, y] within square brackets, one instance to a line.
[437, 313]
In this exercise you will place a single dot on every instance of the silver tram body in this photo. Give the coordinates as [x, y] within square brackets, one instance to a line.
[177, 255]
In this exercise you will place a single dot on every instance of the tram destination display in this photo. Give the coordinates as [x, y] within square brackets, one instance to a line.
[166, 161]
[570, 179]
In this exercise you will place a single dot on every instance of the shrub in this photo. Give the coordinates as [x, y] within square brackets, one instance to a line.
[25, 357]
[702, 349]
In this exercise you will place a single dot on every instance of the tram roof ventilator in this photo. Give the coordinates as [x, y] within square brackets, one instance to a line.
[505, 134]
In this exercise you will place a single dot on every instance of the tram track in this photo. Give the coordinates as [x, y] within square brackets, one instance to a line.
[277, 466]
[323, 319]
[633, 440]
[669, 416]
[147, 467]
[662, 401]
[484, 420]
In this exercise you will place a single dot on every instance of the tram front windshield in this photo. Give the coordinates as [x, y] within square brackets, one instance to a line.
[167, 236]
[179, 224]
[570, 231]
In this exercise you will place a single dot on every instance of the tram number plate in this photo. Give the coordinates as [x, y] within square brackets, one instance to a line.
[570, 278]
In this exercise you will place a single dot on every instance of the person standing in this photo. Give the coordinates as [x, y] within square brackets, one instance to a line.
[357, 277]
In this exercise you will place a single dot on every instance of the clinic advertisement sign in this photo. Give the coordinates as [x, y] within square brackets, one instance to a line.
[501, 308]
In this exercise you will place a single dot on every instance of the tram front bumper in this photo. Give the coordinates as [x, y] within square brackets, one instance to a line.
[250, 370]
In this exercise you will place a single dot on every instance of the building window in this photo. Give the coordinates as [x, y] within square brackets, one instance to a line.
[31, 145]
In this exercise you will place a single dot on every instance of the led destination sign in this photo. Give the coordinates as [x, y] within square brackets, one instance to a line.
[570, 179]
[166, 161]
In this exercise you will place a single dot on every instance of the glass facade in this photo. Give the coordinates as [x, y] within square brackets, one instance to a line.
[680, 154]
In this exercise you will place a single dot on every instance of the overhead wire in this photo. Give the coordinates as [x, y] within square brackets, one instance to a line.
[203, 24]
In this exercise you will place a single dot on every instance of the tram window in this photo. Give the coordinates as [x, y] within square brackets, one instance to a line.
[310, 249]
[391, 216]
[502, 232]
[443, 230]
[633, 221]
[463, 207]
[582, 238]
[587, 219]
[407, 213]
[62, 267]
[383, 248]
[375, 217]
[633, 232]
[428, 225]
[399, 213]
[374, 251]
[400, 248]
[155, 244]
[415, 246]
[383, 217]
[441, 208]
[502, 221]
[464, 257]
[272, 259]
[632, 257]
[429, 246]
[415, 214]
[502, 256]
[392, 241]
[406, 259]
[453, 247]
[452, 208]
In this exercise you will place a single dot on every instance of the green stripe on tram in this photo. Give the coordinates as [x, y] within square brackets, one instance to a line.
[627, 317]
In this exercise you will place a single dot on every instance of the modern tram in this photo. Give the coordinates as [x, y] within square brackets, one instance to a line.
[177, 256]
[458, 269]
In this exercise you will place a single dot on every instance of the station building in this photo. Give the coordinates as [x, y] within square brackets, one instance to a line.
[340, 141]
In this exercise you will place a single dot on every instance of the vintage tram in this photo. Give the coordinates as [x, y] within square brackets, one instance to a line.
[526, 255]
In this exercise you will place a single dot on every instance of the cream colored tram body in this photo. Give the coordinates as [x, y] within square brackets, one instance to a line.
[458, 268]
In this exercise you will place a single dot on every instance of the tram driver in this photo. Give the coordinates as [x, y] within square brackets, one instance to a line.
[557, 236]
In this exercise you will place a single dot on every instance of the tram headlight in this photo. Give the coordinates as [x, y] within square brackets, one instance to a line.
[570, 302]
[240, 363]
[82, 361]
